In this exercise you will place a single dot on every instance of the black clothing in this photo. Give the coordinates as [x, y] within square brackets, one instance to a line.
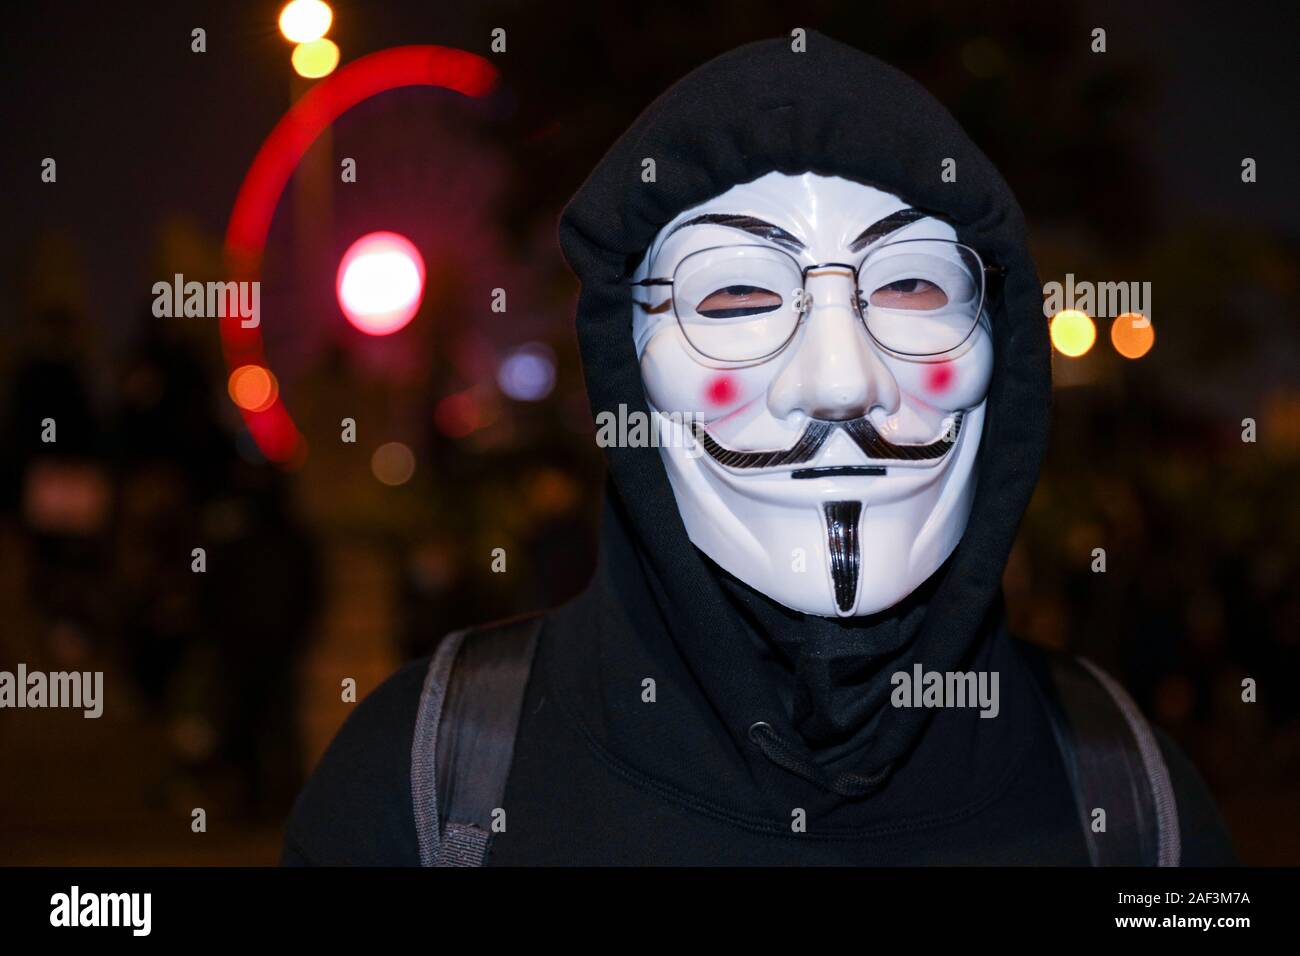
[603, 776]
[357, 810]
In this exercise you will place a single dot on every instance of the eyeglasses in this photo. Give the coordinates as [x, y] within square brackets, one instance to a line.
[741, 304]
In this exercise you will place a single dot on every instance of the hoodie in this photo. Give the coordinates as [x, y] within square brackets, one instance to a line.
[637, 743]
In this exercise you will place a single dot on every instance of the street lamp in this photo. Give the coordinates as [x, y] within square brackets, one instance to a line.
[303, 21]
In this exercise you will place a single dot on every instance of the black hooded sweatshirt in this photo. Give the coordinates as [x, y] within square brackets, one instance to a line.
[603, 776]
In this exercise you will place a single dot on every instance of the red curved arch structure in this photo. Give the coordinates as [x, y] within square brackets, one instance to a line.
[259, 194]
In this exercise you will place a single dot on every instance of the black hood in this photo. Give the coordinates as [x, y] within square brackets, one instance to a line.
[723, 657]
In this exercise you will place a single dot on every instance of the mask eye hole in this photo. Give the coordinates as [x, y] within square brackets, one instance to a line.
[917, 294]
[738, 301]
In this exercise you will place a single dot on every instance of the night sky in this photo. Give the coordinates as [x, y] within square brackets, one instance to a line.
[141, 126]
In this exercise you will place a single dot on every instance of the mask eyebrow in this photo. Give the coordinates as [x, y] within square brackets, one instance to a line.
[750, 224]
[891, 223]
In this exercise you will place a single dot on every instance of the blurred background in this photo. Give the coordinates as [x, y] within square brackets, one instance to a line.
[329, 559]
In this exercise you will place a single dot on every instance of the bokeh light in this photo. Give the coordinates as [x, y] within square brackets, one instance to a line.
[528, 373]
[393, 463]
[1132, 335]
[315, 59]
[1073, 332]
[253, 388]
[458, 415]
[303, 21]
[380, 282]
[264, 183]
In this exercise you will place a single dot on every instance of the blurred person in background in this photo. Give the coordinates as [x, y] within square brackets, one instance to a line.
[263, 593]
[57, 480]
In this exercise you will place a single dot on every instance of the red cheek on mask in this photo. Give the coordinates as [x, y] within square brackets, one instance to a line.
[939, 378]
[721, 390]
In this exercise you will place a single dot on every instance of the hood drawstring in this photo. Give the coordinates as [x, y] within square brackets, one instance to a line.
[775, 749]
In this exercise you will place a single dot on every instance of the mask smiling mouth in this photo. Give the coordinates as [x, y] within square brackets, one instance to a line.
[815, 435]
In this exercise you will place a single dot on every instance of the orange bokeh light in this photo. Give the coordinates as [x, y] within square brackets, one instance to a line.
[253, 388]
[393, 463]
[1132, 335]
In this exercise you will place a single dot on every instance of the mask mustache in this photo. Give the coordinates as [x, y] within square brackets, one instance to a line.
[817, 432]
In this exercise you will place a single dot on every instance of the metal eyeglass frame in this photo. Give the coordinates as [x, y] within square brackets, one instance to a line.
[991, 278]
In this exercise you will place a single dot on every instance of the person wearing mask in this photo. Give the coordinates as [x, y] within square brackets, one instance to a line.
[793, 650]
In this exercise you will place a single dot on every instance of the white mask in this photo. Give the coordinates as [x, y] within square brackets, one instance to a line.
[865, 491]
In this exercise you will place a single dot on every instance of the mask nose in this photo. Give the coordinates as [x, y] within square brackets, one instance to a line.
[834, 372]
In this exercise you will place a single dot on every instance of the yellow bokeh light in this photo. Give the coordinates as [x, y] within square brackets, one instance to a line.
[303, 21]
[1073, 332]
[1132, 335]
[315, 59]
[253, 388]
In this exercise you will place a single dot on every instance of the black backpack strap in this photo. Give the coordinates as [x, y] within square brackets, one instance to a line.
[465, 738]
[1114, 763]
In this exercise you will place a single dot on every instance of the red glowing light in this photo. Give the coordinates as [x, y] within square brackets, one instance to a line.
[250, 220]
[380, 282]
[458, 416]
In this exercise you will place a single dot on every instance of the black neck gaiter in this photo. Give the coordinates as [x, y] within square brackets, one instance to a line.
[830, 673]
